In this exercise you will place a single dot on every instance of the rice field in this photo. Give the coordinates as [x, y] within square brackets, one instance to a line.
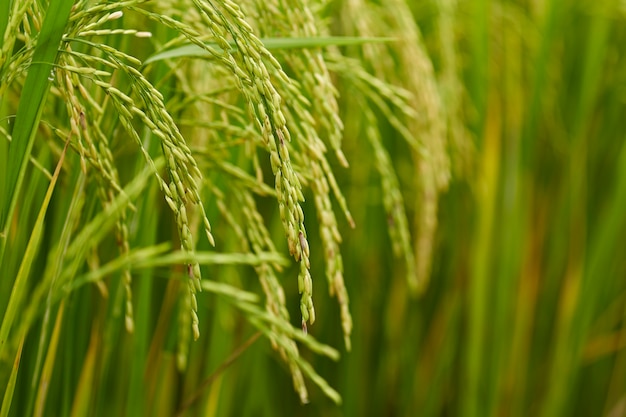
[313, 208]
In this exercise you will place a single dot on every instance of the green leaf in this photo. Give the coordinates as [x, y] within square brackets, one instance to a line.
[30, 107]
[21, 280]
[194, 51]
[5, 7]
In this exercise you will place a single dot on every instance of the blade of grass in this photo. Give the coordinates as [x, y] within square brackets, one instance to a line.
[68, 217]
[539, 79]
[44, 384]
[148, 219]
[30, 108]
[8, 392]
[19, 287]
[159, 360]
[5, 7]
[83, 399]
[90, 235]
[191, 50]
[479, 42]
[581, 291]
[602, 249]
[474, 401]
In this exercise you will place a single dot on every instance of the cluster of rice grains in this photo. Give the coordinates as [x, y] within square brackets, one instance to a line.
[144, 102]
[248, 63]
[311, 114]
[262, 81]
[422, 124]
[314, 104]
[77, 71]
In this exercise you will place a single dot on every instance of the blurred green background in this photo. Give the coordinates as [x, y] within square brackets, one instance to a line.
[486, 271]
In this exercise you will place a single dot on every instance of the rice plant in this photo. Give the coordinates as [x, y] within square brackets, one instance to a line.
[312, 208]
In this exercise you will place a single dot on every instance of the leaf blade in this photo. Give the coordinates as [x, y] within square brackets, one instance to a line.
[194, 51]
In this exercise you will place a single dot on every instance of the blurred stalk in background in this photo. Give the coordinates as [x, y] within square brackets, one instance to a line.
[452, 174]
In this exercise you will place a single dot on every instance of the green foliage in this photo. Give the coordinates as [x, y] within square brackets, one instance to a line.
[178, 177]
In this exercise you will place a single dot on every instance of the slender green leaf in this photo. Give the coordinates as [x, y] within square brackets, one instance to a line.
[10, 388]
[30, 108]
[194, 51]
[5, 7]
[21, 280]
